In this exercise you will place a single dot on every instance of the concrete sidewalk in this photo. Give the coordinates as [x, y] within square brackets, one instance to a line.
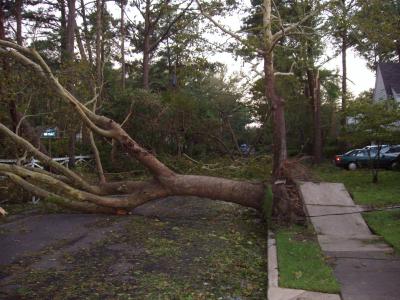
[364, 265]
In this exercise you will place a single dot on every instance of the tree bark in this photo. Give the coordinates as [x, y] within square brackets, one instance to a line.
[2, 20]
[233, 135]
[71, 148]
[146, 51]
[315, 101]
[63, 29]
[99, 65]
[18, 19]
[86, 33]
[69, 58]
[277, 103]
[70, 36]
[281, 206]
[279, 124]
[80, 44]
[344, 77]
[123, 71]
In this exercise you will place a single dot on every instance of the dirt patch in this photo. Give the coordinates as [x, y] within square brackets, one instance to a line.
[191, 249]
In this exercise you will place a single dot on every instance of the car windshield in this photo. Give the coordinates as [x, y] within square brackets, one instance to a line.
[351, 152]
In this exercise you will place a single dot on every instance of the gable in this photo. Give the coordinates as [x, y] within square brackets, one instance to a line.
[390, 73]
[380, 90]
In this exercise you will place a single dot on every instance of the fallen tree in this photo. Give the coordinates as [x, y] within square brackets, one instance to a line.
[67, 188]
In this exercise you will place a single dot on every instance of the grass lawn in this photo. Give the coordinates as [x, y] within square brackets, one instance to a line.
[386, 224]
[301, 262]
[359, 184]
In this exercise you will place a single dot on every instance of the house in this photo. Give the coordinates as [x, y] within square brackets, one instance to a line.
[387, 83]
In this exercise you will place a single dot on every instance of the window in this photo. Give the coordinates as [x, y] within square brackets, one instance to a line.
[361, 153]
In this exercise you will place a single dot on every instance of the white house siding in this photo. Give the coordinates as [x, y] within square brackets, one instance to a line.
[380, 91]
[396, 96]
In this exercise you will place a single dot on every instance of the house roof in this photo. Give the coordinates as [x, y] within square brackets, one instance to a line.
[391, 77]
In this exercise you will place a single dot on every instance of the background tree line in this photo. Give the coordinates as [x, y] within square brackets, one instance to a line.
[149, 63]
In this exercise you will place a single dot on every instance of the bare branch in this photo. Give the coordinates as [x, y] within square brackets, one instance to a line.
[290, 73]
[290, 28]
[227, 31]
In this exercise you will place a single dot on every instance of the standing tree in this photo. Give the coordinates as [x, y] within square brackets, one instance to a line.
[378, 30]
[159, 17]
[341, 26]
[273, 30]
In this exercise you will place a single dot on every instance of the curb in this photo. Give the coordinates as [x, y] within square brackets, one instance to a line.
[277, 293]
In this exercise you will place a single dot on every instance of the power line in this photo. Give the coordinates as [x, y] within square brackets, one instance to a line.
[357, 212]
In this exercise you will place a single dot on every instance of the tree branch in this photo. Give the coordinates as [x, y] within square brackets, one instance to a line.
[227, 31]
[79, 181]
[53, 198]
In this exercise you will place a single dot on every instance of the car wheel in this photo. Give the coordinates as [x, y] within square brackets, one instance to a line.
[352, 166]
[394, 165]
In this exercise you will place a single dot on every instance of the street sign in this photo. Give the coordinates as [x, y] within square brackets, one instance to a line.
[50, 133]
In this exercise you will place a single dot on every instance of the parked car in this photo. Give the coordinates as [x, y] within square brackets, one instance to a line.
[358, 158]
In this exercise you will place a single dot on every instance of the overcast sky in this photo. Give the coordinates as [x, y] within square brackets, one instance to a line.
[360, 78]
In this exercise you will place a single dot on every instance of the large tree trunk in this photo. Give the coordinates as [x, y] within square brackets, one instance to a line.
[281, 208]
[315, 101]
[278, 114]
[344, 77]
[277, 103]
[99, 63]
[18, 19]
[123, 71]
[63, 29]
[86, 33]
[70, 36]
[80, 44]
[146, 47]
[69, 58]
[71, 148]
[146, 62]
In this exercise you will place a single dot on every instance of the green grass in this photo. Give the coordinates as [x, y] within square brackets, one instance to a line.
[359, 184]
[386, 224]
[301, 262]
